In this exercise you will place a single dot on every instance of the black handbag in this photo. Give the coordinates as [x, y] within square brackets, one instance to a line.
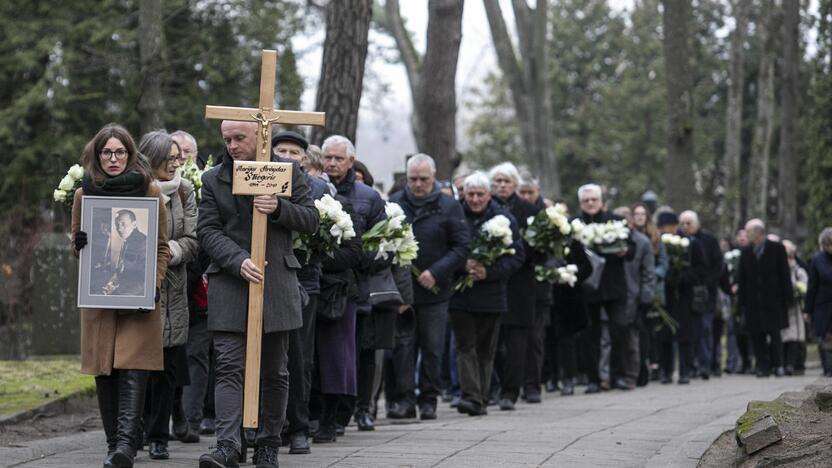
[701, 296]
[332, 301]
[383, 289]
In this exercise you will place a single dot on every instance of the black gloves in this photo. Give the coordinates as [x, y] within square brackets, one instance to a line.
[80, 240]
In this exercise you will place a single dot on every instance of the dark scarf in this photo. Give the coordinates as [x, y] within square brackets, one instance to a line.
[127, 184]
[346, 184]
[420, 202]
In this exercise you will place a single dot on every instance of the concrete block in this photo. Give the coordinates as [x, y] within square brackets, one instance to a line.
[758, 434]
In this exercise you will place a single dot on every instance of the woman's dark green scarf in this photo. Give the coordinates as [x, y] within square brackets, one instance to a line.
[127, 184]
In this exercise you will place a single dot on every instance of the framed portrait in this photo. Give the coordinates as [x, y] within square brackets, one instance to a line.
[118, 265]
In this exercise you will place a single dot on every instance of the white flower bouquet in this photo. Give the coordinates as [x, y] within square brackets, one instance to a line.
[800, 288]
[494, 241]
[608, 238]
[677, 251]
[335, 227]
[567, 274]
[193, 174]
[548, 231]
[68, 185]
[392, 236]
[731, 259]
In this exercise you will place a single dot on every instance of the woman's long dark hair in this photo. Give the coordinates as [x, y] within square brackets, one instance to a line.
[650, 229]
[92, 162]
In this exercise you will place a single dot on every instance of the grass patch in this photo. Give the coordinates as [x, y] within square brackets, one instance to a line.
[25, 385]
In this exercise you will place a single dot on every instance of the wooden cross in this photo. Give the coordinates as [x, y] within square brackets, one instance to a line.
[265, 116]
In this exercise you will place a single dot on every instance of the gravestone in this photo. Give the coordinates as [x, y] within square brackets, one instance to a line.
[55, 319]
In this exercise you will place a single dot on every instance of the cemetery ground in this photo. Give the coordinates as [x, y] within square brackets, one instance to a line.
[660, 425]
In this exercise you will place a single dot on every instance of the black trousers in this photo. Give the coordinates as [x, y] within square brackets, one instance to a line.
[301, 355]
[768, 349]
[476, 343]
[685, 358]
[567, 354]
[230, 357]
[535, 348]
[743, 346]
[511, 360]
[551, 361]
[159, 399]
[589, 342]
[718, 331]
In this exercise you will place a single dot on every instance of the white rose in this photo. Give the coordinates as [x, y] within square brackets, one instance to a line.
[565, 229]
[76, 172]
[666, 238]
[395, 223]
[529, 220]
[610, 237]
[335, 230]
[393, 209]
[684, 242]
[59, 196]
[66, 183]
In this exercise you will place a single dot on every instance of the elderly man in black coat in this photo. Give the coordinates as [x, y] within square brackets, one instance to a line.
[439, 227]
[475, 313]
[610, 297]
[224, 231]
[764, 293]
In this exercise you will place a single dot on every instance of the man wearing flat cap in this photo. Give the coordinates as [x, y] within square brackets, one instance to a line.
[292, 145]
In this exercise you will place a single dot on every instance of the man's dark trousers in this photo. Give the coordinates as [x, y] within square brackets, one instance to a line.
[476, 343]
[301, 359]
[230, 356]
[431, 321]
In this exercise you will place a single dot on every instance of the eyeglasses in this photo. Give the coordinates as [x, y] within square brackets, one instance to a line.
[120, 154]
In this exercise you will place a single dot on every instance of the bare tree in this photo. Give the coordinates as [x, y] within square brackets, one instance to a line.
[526, 71]
[432, 77]
[764, 125]
[788, 155]
[150, 103]
[737, 180]
[679, 165]
[342, 67]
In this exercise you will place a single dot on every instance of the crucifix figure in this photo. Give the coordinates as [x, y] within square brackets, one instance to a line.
[265, 115]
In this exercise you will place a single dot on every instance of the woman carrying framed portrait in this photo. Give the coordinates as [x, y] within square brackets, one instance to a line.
[120, 346]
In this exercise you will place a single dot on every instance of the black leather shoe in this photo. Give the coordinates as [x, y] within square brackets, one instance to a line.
[552, 386]
[684, 380]
[158, 451]
[467, 407]
[265, 457]
[325, 435]
[592, 388]
[340, 430]
[427, 412]
[622, 384]
[364, 421]
[223, 456]
[667, 379]
[206, 427]
[567, 389]
[506, 404]
[704, 375]
[762, 374]
[401, 410]
[299, 444]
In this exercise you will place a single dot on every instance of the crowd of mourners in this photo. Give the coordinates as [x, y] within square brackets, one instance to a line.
[473, 323]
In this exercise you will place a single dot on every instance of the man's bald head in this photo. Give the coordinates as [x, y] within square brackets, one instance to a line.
[756, 230]
[240, 139]
[689, 221]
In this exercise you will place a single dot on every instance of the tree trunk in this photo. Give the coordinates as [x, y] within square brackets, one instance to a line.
[679, 165]
[432, 78]
[151, 104]
[342, 67]
[737, 180]
[788, 155]
[437, 98]
[528, 82]
[764, 123]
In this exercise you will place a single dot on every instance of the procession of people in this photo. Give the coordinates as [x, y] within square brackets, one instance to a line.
[478, 293]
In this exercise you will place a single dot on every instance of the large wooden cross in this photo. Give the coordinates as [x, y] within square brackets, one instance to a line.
[265, 115]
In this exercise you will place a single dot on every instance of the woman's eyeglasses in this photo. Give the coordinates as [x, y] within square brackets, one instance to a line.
[108, 154]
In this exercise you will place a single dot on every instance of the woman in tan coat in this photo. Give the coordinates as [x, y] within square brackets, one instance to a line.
[119, 347]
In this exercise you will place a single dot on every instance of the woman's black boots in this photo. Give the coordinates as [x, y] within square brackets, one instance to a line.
[131, 386]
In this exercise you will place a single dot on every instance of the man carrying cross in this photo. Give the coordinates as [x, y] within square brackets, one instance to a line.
[225, 233]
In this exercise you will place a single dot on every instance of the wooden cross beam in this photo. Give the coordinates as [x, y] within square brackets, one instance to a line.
[265, 115]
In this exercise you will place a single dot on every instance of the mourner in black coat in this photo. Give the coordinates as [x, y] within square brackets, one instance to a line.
[819, 298]
[764, 293]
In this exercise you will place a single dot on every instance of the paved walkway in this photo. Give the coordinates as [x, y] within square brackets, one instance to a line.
[658, 426]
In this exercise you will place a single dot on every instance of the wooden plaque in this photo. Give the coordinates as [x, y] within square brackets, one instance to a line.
[262, 178]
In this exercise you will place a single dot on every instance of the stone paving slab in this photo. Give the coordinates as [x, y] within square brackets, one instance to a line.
[657, 426]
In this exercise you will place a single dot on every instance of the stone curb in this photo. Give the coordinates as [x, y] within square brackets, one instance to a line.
[60, 406]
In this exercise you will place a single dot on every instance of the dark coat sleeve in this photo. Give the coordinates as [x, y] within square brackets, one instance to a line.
[403, 283]
[784, 276]
[812, 287]
[298, 212]
[346, 257]
[577, 256]
[460, 238]
[222, 250]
